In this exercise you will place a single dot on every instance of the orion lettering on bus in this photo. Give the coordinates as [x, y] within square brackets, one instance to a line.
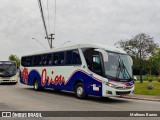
[57, 80]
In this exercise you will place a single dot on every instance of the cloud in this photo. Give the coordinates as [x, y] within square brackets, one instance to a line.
[102, 21]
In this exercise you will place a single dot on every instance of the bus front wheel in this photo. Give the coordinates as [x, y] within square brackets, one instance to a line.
[79, 91]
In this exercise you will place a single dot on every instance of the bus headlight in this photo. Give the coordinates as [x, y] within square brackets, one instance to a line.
[110, 85]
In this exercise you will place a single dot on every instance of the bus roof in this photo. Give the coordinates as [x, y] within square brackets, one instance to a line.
[98, 46]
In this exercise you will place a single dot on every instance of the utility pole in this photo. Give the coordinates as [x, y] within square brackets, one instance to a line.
[51, 38]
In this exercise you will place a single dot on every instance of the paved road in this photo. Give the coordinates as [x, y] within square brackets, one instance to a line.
[21, 97]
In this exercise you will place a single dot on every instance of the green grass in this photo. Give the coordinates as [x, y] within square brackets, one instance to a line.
[141, 88]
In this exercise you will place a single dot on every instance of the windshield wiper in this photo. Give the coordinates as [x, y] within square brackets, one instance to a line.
[122, 67]
[126, 70]
[118, 69]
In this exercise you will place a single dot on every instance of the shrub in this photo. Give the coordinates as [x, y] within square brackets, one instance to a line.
[149, 86]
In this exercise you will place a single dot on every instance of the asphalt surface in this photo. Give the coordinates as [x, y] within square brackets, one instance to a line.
[23, 98]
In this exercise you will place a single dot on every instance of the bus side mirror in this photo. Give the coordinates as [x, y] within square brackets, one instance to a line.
[135, 78]
[104, 54]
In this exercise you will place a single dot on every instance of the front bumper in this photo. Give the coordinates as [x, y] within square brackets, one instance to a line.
[109, 91]
[8, 80]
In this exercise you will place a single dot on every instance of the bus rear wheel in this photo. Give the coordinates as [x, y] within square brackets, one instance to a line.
[79, 91]
[36, 86]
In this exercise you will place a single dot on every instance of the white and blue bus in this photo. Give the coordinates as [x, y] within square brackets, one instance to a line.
[86, 69]
[8, 72]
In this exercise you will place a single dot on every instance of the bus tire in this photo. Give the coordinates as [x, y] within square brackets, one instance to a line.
[57, 90]
[105, 98]
[37, 87]
[14, 83]
[79, 91]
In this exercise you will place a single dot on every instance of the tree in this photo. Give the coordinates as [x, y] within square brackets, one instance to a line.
[156, 60]
[140, 47]
[14, 58]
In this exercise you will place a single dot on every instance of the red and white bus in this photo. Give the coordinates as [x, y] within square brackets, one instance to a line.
[86, 69]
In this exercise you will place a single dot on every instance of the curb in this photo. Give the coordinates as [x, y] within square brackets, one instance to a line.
[147, 99]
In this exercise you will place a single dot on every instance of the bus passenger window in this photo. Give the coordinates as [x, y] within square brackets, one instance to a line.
[36, 60]
[49, 59]
[96, 67]
[29, 61]
[73, 57]
[61, 58]
[55, 59]
[76, 57]
[23, 61]
[44, 59]
[69, 58]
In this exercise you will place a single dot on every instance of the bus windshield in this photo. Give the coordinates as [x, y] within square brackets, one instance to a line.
[117, 65]
[7, 69]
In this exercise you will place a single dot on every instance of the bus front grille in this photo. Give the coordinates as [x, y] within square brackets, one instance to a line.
[124, 88]
[5, 80]
[122, 93]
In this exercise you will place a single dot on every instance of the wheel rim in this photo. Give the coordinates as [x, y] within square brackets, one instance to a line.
[79, 91]
[36, 85]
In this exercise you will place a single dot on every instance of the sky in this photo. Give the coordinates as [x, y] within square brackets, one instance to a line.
[77, 21]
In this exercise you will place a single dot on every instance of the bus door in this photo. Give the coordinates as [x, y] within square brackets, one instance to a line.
[94, 62]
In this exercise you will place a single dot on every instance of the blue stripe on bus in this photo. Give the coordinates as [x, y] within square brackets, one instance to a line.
[78, 75]
[87, 79]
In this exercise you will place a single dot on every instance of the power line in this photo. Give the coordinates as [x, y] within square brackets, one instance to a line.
[48, 17]
[39, 42]
[43, 42]
[43, 20]
[50, 37]
[55, 6]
